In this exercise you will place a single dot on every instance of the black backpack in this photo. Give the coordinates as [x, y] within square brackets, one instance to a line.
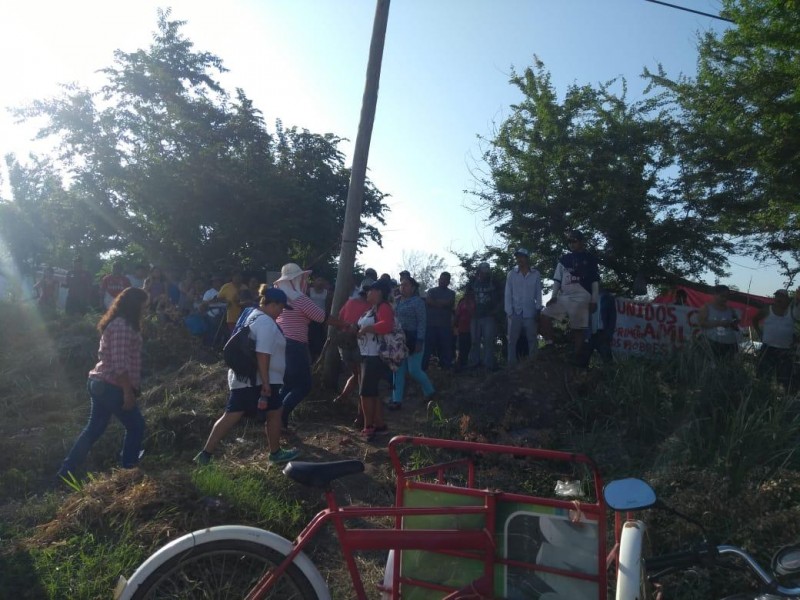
[239, 352]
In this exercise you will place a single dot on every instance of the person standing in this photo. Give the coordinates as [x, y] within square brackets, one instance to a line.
[377, 321]
[247, 397]
[79, 289]
[320, 295]
[297, 379]
[440, 302]
[775, 326]
[229, 293]
[523, 301]
[720, 323]
[347, 341]
[484, 325]
[47, 291]
[576, 289]
[115, 382]
[465, 313]
[411, 312]
[112, 285]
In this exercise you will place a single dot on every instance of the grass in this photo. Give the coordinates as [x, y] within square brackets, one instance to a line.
[715, 440]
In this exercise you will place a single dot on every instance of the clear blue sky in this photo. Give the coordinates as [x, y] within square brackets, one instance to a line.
[444, 81]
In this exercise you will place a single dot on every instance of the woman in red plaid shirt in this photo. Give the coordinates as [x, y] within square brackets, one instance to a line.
[114, 382]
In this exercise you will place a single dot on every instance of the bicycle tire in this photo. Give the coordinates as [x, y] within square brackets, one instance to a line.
[222, 569]
[632, 583]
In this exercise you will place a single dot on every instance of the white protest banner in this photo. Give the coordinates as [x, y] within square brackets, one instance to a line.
[647, 329]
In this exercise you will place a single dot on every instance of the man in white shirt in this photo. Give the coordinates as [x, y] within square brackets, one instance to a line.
[523, 301]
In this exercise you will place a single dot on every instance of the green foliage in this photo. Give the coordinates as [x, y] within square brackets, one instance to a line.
[598, 163]
[740, 119]
[164, 164]
[692, 409]
[266, 501]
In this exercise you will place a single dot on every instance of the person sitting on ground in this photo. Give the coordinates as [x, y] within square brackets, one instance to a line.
[138, 276]
[47, 291]
[412, 314]
[377, 321]
[186, 293]
[156, 287]
[112, 284]
[247, 397]
[576, 288]
[775, 326]
[115, 382]
[719, 323]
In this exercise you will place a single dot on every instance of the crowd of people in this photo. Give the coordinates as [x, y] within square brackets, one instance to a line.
[288, 321]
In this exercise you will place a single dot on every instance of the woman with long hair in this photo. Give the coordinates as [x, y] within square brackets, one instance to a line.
[114, 382]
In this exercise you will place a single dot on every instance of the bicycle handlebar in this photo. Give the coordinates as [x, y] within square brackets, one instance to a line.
[705, 553]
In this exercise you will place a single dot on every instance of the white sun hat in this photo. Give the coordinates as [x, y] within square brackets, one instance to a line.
[291, 271]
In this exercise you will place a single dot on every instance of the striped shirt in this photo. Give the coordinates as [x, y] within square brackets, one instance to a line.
[294, 323]
[120, 352]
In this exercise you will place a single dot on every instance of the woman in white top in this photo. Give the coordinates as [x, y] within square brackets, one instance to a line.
[775, 326]
[247, 397]
[376, 322]
[720, 323]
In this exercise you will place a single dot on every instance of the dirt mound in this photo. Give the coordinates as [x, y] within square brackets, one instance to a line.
[154, 507]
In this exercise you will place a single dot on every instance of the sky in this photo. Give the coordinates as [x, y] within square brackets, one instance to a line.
[444, 83]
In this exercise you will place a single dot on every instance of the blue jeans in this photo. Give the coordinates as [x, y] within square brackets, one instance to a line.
[484, 336]
[296, 378]
[438, 341]
[413, 366]
[107, 401]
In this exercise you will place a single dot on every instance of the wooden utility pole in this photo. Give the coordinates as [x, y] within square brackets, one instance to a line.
[358, 173]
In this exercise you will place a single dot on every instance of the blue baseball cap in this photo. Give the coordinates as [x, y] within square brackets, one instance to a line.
[278, 296]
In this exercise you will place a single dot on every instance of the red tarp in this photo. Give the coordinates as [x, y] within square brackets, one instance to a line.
[746, 305]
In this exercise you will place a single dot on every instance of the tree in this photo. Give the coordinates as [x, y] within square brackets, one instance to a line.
[597, 163]
[424, 268]
[741, 127]
[171, 163]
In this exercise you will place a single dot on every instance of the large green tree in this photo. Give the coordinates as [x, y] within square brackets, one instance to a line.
[171, 163]
[740, 123]
[598, 163]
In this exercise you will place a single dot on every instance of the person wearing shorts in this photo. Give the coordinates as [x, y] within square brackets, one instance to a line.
[377, 321]
[246, 397]
[576, 287]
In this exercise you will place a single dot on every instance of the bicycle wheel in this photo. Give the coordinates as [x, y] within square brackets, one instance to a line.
[222, 569]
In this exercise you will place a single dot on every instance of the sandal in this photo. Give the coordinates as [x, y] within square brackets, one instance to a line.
[368, 433]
